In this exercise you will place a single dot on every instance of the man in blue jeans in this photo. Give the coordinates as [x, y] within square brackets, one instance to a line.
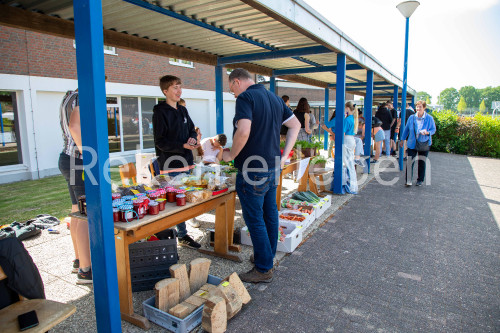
[256, 153]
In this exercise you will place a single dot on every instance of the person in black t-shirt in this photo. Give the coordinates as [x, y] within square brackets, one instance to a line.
[394, 115]
[385, 116]
[256, 152]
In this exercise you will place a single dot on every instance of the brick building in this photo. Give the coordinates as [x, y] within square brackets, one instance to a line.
[37, 69]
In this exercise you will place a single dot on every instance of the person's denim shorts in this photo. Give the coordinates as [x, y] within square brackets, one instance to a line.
[379, 136]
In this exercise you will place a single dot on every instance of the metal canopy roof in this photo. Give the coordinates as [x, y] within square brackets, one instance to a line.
[283, 37]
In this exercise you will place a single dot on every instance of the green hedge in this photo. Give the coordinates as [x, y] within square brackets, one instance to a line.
[478, 135]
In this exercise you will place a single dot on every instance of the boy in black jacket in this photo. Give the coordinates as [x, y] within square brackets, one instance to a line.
[175, 138]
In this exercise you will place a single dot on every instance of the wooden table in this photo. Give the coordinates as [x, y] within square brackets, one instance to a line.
[128, 233]
[321, 172]
[289, 168]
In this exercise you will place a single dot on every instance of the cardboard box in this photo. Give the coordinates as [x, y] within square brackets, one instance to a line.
[292, 240]
[323, 205]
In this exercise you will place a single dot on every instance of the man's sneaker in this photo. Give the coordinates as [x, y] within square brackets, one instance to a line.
[76, 266]
[187, 241]
[408, 184]
[419, 183]
[84, 277]
[254, 276]
[195, 223]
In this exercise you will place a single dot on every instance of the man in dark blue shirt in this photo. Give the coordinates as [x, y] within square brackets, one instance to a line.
[256, 153]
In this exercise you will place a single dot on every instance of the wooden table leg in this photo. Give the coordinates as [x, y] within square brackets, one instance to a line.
[322, 184]
[230, 224]
[278, 192]
[303, 181]
[312, 183]
[221, 245]
[125, 283]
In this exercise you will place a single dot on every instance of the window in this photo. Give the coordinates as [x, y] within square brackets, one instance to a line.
[147, 105]
[130, 123]
[180, 62]
[107, 49]
[10, 144]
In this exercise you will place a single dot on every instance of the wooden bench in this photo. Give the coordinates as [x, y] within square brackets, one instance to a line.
[49, 313]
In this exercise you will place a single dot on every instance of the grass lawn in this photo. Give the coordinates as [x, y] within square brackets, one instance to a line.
[24, 200]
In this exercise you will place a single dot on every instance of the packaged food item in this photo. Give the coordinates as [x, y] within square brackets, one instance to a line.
[206, 194]
[154, 208]
[181, 199]
[161, 203]
[194, 196]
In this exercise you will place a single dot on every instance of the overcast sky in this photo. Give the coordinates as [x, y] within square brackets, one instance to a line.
[453, 43]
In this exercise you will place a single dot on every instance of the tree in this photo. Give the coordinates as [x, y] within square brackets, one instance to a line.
[471, 95]
[489, 95]
[449, 98]
[428, 100]
[462, 105]
[482, 107]
[423, 96]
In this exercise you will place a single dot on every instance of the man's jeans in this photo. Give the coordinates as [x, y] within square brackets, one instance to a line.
[387, 141]
[257, 195]
[181, 227]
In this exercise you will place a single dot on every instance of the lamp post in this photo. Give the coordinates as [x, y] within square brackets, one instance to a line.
[406, 8]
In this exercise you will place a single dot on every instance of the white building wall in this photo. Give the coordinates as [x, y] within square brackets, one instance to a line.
[38, 100]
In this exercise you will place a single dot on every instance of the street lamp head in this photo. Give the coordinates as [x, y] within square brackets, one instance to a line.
[407, 7]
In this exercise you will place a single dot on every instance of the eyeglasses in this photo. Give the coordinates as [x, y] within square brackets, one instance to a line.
[231, 86]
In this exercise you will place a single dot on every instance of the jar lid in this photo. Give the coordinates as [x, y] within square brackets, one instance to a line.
[128, 197]
[153, 203]
[126, 207]
[180, 195]
[116, 210]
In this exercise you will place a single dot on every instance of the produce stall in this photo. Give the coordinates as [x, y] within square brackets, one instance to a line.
[142, 211]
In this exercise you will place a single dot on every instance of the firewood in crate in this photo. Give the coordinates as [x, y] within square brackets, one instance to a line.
[233, 300]
[179, 271]
[196, 300]
[208, 287]
[198, 273]
[182, 310]
[236, 283]
[167, 294]
[214, 318]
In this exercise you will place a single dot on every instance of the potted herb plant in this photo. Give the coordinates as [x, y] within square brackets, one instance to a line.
[319, 162]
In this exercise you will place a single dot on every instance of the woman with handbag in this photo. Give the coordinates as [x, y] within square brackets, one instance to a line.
[418, 132]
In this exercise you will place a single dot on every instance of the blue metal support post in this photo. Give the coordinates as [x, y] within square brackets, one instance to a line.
[1, 124]
[219, 101]
[403, 95]
[272, 84]
[339, 123]
[367, 108]
[92, 91]
[325, 116]
[395, 104]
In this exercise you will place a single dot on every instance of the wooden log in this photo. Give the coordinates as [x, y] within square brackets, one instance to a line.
[236, 283]
[196, 300]
[167, 294]
[203, 294]
[198, 274]
[214, 318]
[208, 287]
[179, 271]
[233, 300]
[182, 310]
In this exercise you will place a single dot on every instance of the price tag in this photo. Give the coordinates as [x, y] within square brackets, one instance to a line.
[299, 227]
[147, 188]
[225, 284]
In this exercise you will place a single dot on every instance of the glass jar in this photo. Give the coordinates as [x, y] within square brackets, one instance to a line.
[181, 199]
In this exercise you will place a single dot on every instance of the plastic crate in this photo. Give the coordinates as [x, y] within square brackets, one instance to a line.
[150, 261]
[173, 323]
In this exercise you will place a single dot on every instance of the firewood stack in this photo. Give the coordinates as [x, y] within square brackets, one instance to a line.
[186, 291]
